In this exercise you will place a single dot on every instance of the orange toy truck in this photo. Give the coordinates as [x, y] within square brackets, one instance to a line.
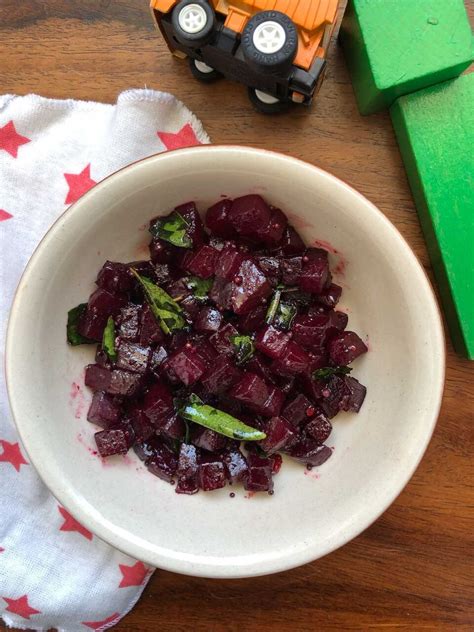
[275, 47]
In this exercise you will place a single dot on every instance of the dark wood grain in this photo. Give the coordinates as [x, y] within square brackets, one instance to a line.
[413, 569]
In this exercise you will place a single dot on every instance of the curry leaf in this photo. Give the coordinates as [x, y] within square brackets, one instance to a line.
[285, 315]
[244, 348]
[164, 308]
[329, 371]
[173, 229]
[108, 339]
[200, 287]
[273, 307]
[73, 336]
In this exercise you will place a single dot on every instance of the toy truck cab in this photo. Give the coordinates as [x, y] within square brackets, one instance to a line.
[277, 48]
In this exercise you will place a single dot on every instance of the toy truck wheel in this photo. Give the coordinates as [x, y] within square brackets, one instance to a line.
[193, 22]
[266, 103]
[269, 41]
[203, 72]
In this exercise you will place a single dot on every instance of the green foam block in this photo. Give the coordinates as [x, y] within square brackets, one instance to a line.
[395, 47]
[435, 131]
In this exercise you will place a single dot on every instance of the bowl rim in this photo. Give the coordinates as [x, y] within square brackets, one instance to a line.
[126, 545]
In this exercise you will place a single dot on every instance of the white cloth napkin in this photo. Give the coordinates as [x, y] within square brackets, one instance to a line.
[53, 572]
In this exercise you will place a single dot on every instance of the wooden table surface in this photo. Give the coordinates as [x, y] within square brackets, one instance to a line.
[413, 569]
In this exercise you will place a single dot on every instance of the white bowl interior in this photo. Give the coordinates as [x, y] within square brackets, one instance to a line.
[387, 297]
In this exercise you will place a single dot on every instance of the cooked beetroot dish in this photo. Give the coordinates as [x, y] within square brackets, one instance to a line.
[222, 351]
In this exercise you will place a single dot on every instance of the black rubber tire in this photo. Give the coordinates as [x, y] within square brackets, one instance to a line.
[279, 61]
[201, 38]
[205, 77]
[267, 108]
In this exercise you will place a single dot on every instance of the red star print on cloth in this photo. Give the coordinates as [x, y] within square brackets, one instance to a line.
[11, 140]
[12, 454]
[101, 625]
[79, 183]
[4, 215]
[71, 524]
[21, 607]
[133, 575]
[184, 138]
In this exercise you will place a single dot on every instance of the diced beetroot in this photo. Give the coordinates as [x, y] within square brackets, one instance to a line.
[217, 242]
[356, 395]
[253, 320]
[259, 365]
[291, 268]
[132, 357]
[115, 277]
[158, 402]
[339, 320]
[236, 466]
[188, 470]
[101, 357]
[101, 305]
[158, 356]
[143, 267]
[272, 406]
[104, 411]
[110, 442]
[291, 243]
[310, 452]
[220, 376]
[141, 425]
[124, 383]
[162, 273]
[221, 293]
[143, 450]
[272, 342]
[97, 377]
[208, 439]
[187, 365]
[172, 426]
[319, 428]
[252, 290]
[315, 274]
[178, 340]
[270, 266]
[150, 331]
[274, 230]
[163, 462]
[208, 319]
[279, 433]
[191, 305]
[345, 347]
[211, 473]
[319, 357]
[293, 361]
[221, 340]
[330, 296]
[249, 215]
[179, 288]
[205, 350]
[334, 395]
[161, 251]
[251, 391]
[228, 263]
[259, 477]
[298, 410]
[217, 219]
[195, 229]
[203, 262]
[276, 463]
[128, 322]
[310, 331]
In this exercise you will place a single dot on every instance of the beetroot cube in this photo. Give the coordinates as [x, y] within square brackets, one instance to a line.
[132, 357]
[291, 268]
[356, 394]
[221, 340]
[298, 410]
[104, 411]
[161, 251]
[115, 277]
[188, 470]
[158, 357]
[279, 433]
[270, 266]
[338, 320]
[158, 402]
[150, 331]
[195, 229]
[272, 406]
[128, 322]
[334, 395]
[310, 331]
[204, 350]
[249, 215]
[330, 296]
[101, 305]
[208, 319]
[272, 342]
[319, 428]
[229, 262]
[172, 426]
[253, 320]
[208, 439]
[277, 462]
[217, 219]
[203, 262]
[124, 383]
[259, 477]
[345, 347]
[211, 473]
[144, 268]
[221, 293]
[291, 243]
[315, 274]
[251, 391]
[97, 377]
[163, 462]
[258, 364]
[162, 273]
[110, 442]
[310, 452]
[253, 289]
[274, 230]
[294, 360]
[220, 376]
[187, 365]
[191, 305]
[141, 425]
[236, 466]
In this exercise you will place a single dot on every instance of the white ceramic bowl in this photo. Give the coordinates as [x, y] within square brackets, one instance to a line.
[388, 299]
